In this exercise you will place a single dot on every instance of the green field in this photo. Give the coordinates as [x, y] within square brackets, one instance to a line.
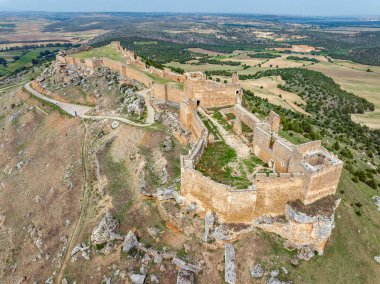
[107, 51]
[25, 59]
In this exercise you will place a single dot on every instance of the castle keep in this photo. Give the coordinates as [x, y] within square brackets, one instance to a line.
[307, 173]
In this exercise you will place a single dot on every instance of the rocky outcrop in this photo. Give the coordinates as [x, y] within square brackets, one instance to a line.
[105, 231]
[304, 226]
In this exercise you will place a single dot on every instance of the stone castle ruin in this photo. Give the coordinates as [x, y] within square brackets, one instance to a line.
[297, 201]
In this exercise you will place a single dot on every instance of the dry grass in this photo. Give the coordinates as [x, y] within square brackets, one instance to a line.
[271, 92]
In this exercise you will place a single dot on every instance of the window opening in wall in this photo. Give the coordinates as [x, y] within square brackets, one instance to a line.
[271, 143]
[198, 102]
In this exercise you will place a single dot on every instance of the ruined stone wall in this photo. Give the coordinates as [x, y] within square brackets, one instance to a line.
[113, 65]
[135, 74]
[274, 191]
[246, 116]
[167, 93]
[229, 204]
[169, 75]
[175, 93]
[212, 94]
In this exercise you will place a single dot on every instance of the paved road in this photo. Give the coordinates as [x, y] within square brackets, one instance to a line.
[80, 111]
[69, 108]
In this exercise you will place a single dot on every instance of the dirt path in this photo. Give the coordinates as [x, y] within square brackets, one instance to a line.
[80, 111]
[231, 139]
[73, 240]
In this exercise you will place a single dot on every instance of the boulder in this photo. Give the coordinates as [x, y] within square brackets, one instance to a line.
[377, 258]
[257, 271]
[115, 124]
[376, 199]
[130, 242]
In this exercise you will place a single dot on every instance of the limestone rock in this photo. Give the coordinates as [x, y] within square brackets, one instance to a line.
[274, 280]
[130, 241]
[377, 258]
[230, 269]
[185, 277]
[274, 273]
[154, 279]
[306, 253]
[105, 231]
[115, 124]
[137, 278]
[186, 266]
[167, 145]
[257, 271]
[376, 199]
[209, 223]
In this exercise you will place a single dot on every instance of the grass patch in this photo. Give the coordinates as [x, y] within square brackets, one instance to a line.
[219, 117]
[156, 78]
[214, 163]
[252, 163]
[107, 51]
[117, 176]
[294, 138]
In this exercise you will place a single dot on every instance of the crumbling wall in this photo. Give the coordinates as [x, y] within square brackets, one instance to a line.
[169, 75]
[302, 228]
[211, 94]
[246, 116]
[137, 75]
[168, 93]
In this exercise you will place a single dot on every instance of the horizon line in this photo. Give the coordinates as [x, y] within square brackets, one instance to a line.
[200, 13]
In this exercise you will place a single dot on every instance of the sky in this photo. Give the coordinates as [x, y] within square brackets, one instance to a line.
[274, 7]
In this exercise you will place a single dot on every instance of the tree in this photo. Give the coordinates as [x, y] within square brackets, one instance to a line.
[336, 146]
[3, 62]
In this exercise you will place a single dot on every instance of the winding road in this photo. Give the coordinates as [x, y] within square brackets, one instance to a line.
[80, 111]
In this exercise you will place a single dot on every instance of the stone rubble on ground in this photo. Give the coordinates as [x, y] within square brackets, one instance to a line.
[185, 277]
[305, 253]
[83, 248]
